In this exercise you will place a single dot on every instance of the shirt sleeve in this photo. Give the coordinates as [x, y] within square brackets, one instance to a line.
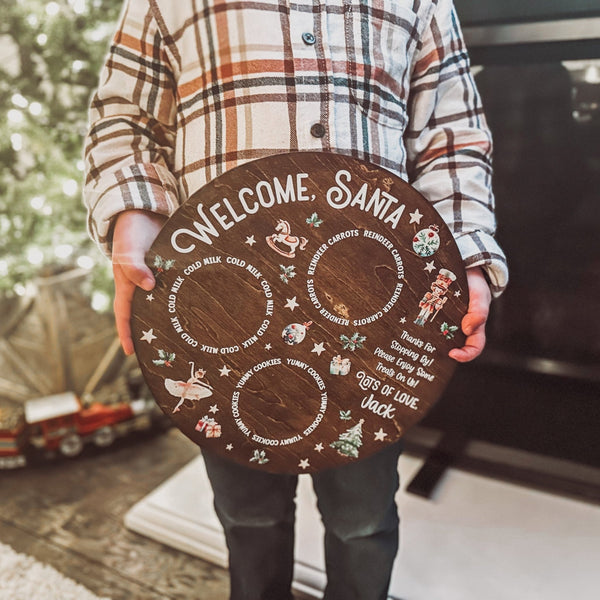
[130, 143]
[449, 144]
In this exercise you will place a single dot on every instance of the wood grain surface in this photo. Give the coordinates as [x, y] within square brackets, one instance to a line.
[304, 309]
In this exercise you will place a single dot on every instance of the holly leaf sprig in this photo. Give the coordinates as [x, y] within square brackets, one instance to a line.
[448, 331]
[260, 457]
[314, 220]
[355, 342]
[287, 273]
[165, 359]
[161, 264]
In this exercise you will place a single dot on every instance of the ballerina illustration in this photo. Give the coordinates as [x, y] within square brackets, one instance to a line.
[192, 389]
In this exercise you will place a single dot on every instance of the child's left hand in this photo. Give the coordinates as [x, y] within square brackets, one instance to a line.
[473, 323]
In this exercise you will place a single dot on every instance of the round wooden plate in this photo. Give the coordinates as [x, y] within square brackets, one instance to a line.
[303, 312]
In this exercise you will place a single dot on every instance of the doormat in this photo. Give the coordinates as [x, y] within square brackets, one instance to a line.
[24, 578]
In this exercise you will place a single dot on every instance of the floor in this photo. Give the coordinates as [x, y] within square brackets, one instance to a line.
[475, 537]
[69, 514]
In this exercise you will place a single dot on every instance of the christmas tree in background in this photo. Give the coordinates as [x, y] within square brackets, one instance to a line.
[51, 54]
[350, 441]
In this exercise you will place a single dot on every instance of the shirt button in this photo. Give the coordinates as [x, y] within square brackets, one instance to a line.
[308, 38]
[318, 130]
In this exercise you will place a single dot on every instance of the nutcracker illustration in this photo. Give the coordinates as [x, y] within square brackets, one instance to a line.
[432, 302]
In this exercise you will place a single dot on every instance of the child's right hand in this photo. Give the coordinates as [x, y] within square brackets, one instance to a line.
[133, 234]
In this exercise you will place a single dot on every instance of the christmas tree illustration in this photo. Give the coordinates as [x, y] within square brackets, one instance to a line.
[350, 441]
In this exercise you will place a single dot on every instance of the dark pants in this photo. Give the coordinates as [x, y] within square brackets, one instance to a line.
[356, 502]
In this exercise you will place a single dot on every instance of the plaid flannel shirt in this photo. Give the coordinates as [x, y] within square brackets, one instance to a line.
[192, 88]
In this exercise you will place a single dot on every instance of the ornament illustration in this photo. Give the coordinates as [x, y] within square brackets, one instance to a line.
[427, 241]
[339, 365]
[259, 457]
[210, 427]
[161, 265]
[345, 415]
[448, 331]
[352, 343]
[294, 333]
[314, 220]
[283, 237]
[165, 359]
[287, 273]
[192, 389]
[350, 441]
[432, 302]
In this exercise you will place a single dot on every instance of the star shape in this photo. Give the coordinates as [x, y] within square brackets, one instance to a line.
[304, 464]
[429, 267]
[214, 409]
[250, 241]
[319, 447]
[415, 217]
[229, 447]
[148, 336]
[318, 348]
[291, 303]
[149, 297]
[267, 346]
[403, 320]
[224, 371]
[380, 435]
[457, 294]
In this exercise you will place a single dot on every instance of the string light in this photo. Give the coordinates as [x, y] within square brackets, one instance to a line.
[70, 187]
[100, 301]
[35, 108]
[16, 141]
[79, 6]
[52, 9]
[35, 256]
[19, 289]
[42, 39]
[37, 202]
[15, 116]
[19, 100]
[63, 251]
[85, 262]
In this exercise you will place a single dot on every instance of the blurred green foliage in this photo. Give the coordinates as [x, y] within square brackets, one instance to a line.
[51, 53]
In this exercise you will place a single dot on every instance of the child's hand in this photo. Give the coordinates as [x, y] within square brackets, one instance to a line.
[133, 234]
[473, 323]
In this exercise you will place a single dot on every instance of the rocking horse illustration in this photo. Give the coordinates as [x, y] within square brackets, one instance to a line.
[283, 237]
